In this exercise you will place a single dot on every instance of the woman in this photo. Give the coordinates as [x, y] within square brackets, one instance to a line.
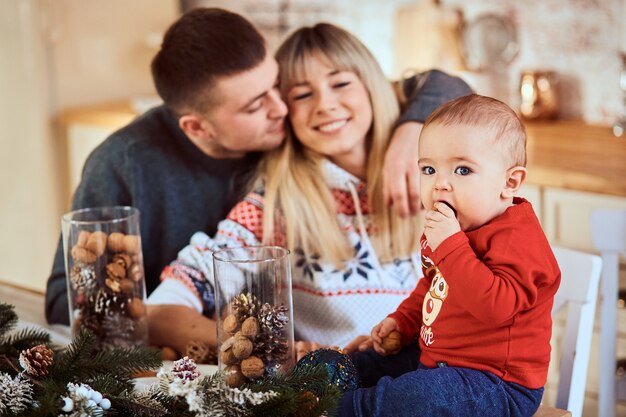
[353, 257]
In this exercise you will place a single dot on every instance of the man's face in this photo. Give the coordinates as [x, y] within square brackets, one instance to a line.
[248, 113]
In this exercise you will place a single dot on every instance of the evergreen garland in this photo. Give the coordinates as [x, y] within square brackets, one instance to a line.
[81, 380]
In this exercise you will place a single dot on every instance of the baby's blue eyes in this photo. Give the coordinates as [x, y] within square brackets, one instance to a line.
[463, 171]
[428, 170]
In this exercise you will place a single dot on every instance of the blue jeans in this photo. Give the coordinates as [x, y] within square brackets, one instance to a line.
[398, 385]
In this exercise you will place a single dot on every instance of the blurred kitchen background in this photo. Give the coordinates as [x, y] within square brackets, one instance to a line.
[63, 56]
[72, 71]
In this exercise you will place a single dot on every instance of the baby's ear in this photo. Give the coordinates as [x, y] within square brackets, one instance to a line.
[514, 178]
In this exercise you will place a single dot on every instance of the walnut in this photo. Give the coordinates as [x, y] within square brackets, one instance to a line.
[122, 259]
[392, 343]
[113, 284]
[81, 254]
[132, 244]
[227, 357]
[97, 243]
[242, 348]
[252, 367]
[250, 327]
[234, 377]
[115, 242]
[83, 237]
[230, 324]
[115, 270]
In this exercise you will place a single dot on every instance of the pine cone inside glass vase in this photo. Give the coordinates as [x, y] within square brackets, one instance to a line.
[273, 318]
[270, 347]
[245, 305]
[36, 361]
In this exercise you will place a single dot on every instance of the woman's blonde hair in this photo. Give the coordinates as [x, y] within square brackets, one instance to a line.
[298, 202]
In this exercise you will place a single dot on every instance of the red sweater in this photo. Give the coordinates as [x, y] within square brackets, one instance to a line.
[485, 302]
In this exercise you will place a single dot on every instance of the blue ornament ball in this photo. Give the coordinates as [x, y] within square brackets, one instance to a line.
[341, 371]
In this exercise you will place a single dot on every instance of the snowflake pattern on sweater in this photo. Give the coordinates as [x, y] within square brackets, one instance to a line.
[331, 305]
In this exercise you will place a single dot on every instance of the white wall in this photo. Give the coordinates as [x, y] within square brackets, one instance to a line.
[30, 201]
[55, 54]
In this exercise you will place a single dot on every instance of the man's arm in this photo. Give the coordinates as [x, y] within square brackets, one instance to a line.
[424, 93]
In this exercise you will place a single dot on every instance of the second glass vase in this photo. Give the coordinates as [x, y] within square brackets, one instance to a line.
[254, 312]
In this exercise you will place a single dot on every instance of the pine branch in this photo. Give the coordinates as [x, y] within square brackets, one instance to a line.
[292, 391]
[27, 338]
[65, 364]
[8, 319]
[111, 383]
[136, 407]
[127, 361]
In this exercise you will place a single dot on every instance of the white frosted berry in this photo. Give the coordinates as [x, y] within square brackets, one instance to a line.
[96, 396]
[68, 404]
[105, 403]
[82, 391]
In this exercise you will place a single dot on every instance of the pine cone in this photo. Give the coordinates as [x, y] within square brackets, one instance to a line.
[107, 304]
[37, 360]
[83, 277]
[118, 328]
[270, 347]
[245, 305]
[273, 318]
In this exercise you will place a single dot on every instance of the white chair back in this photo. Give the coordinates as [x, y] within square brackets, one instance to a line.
[608, 234]
[580, 275]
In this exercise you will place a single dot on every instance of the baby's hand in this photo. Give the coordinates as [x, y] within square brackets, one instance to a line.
[441, 223]
[382, 330]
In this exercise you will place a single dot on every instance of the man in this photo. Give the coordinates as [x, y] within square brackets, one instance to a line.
[186, 163]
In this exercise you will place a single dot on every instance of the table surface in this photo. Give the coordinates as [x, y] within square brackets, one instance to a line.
[29, 307]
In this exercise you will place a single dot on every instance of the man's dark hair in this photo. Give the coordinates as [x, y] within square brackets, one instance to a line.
[201, 46]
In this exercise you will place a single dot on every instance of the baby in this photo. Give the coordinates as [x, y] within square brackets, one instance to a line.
[476, 330]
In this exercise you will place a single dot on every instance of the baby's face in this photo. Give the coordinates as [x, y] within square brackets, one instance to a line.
[463, 167]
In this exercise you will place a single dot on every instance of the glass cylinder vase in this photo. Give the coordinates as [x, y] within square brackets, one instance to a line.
[105, 275]
[254, 312]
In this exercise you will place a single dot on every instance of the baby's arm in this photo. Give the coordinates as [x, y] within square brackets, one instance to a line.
[505, 280]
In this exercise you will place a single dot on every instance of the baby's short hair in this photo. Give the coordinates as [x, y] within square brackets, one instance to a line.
[487, 112]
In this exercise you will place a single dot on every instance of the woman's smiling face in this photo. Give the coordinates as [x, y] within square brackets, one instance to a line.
[331, 113]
